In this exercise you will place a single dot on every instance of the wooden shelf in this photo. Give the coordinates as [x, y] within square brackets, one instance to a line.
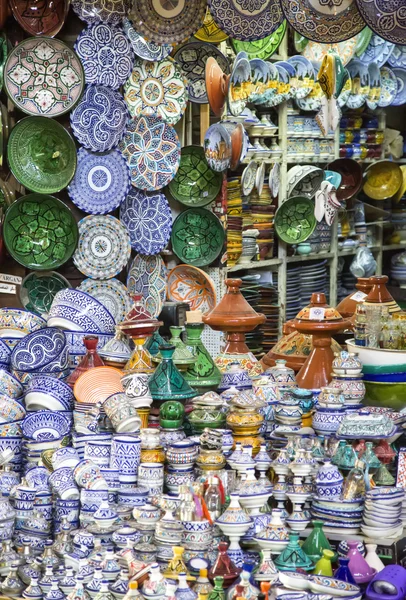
[388, 247]
[306, 257]
[260, 264]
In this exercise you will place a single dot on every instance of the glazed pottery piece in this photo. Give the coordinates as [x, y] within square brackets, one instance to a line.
[48, 21]
[389, 87]
[382, 180]
[45, 425]
[167, 383]
[28, 68]
[292, 557]
[243, 23]
[152, 150]
[295, 220]
[347, 307]
[38, 290]
[351, 173]
[192, 285]
[148, 220]
[98, 384]
[203, 374]
[380, 295]
[143, 48]
[41, 154]
[343, 573]
[89, 361]
[157, 88]
[101, 182]
[217, 147]
[76, 311]
[41, 248]
[106, 55]
[40, 349]
[217, 83]
[147, 276]
[378, 16]
[316, 542]
[111, 293]
[360, 569]
[92, 11]
[197, 237]
[195, 184]
[263, 48]
[103, 247]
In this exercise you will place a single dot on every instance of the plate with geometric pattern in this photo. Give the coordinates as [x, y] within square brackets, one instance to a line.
[147, 276]
[111, 293]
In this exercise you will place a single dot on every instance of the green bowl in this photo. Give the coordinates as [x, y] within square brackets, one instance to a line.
[197, 237]
[390, 395]
[295, 220]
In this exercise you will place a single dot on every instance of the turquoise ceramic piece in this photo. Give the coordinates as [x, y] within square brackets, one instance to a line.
[167, 383]
[333, 177]
[153, 342]
[369, 457]
[348, 458]
[293, 557]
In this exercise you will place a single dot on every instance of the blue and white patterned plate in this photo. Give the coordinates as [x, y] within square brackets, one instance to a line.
[101, 181]
[106, 11]
[148, 219]
[386, 18]
[104, 247]
[401, 93]
[387, 51]
[247, 20]
[389, 87]
[100, 119]
[106, 55]
[142, 48]
[398, 57]
[374, 51]
[152, 150]
[111, 293]
[147, 276]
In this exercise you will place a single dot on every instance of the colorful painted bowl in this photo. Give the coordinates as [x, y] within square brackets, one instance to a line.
[18, 322]
[351, 173]
[189, 284]
[44, 392]
[75, 310]
[39, 350]
[382, 180]
[295, 220]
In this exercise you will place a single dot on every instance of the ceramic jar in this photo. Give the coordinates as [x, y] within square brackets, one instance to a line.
[151, 476]
[183, 453]
[329, 481]
[326, 421]
[175, 477]
[150, 438]
[280, 374]
[347, 363]
[244, 421]
[352, 387]
[330, 397]
[235, 376]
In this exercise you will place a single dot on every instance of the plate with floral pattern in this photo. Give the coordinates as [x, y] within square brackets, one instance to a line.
[147, 276]
[157, 88]
[101, 181]
[166, 22]
[210, 31]
[143, 48]
[148, 220]
[389, 87]
[345, 50]
[107, 11]
[192, 285]
[197, 237]
[100, 119]
[152, 150]
[263, 48]
[324, 21]
[398, 57]
[43, 76]
[104, 247]
[386, 18]
[247, 20]
[106, 54]
[111, 293]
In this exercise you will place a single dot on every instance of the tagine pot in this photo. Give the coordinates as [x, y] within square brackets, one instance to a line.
[379, 295]
[203, 375]
[168, 383]
[348, 305]
[235, 317]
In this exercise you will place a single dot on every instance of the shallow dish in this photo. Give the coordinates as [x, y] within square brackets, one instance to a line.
[197, 237]
[351, 174]
[192, 285]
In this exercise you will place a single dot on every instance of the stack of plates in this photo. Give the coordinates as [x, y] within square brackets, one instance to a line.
[268, 305]
[262, 213]
[339, 516]
[234, 221]
[293, 304]
[383, 512]
[250, 290]
[313, 278]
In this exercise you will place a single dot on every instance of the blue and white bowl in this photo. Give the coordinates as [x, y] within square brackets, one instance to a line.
[24, 377]
[63, 483]
[132, 497]
[10, 410]
[18, 322]
[38, 350]
[91, 499]
[45, 425]
[38, 478]
[10, 385]
[65, 457]
[5, 354]
[75, 310]
[44, 392]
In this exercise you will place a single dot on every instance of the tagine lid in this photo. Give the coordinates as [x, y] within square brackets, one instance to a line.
[318, 310]
[348, 305]
[233, 313]
[138, 319]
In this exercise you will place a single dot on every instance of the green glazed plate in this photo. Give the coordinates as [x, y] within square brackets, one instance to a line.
[300, 42]
[363, 39]
[38, 290]
[41, 155]
[261, 48]
[295, 220]
[40, 232]
[195, 184]
[197, 237]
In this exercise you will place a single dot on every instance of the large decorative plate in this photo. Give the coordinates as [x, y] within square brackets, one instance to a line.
[195, 184]
[106, 55]
[398, 57]
[359, 83]
[192, 58]
[374, 50]
[386, 18]
[112, 294]
[264, 48]
[43, 76]
[152, 150]
[217, 147]
[148, 220]
[100, 119]
[107, 11]
[101, 181]
[143, 48]
[401, 93]
[295, 220]
[168, 22]
[41, 155]
[46, 19]
[345, 50]
[247, 20]
[192, 285]
[389, 87]
[103, 248]
[40, 232]
[157, 88]
[210, 31]
[38, 290]
[147, 276]
[197, 237]
[324, 21]
[387, 51]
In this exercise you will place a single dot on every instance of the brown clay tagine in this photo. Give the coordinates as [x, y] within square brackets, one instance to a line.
[380, 295]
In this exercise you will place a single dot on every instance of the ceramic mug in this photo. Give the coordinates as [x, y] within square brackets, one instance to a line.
[63, 483]
[90, 500]
[98, 452]
[88, 476]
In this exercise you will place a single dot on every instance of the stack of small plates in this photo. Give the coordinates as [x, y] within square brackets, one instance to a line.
[262, 213]
[339, 516]
[268, 305]
[234, 221]
[382, 513]
[293, 304]
[313, 278]
[250, 289]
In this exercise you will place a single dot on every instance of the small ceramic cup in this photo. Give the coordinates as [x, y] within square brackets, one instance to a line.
[63, 483]
[88, 476]
[98, 452]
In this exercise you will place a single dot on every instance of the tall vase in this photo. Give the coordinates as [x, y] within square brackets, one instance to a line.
[360, 569]
[203, 375]
[89, 361]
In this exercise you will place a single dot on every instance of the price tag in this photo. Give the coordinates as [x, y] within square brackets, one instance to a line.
[358, 296]
[6, 278]
[8, 288]
[316, 313]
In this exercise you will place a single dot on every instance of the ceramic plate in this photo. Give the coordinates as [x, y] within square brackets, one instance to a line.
[248, 178]
[374, 50]
[387, 51]
[112, 294]
[263, 48]
[363, 39]
[359, 83]
[43, 76]
[97, 384]
[210, 31]
[239, 84]
[192, 58]
[374, 86]
[157, 88]
[100, 119]
[107, 11]
[148, 220]
[401, 93]
[195, 184]
[345, 50]
[101, 182]
[40, 232]
[386, 18]
[192, 285]
[46, 20]
[103, 248]
[389, 87]
[152, 150]
[106, 55]
[147, 276]
[41, 155]
[398, 57]
[305, 75]
[247, 21]
[143, 48]
[197, 237]
[295, 220]
[217, 147]
[324, 21]
[168, 22]
[217, 84]
[38, 290]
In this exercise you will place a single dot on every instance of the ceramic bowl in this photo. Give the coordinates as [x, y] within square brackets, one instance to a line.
[387, 393]
[351, 177]
[382, 180]
[18, 322]
[97, 384]
[44, 392]
[90, 500]
[63, 483]
[45, 425]
[9, 385]
[25, 377]
[75, 310]
[39, 350]
[377, 357]
[10, 410]
[65, 457]
[88, 476]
